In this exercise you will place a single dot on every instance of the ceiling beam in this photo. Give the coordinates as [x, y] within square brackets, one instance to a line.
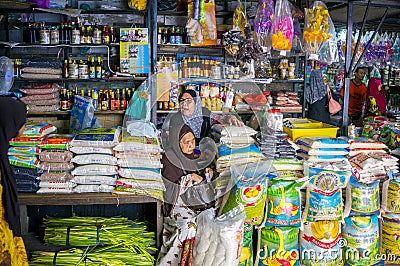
[375, 3]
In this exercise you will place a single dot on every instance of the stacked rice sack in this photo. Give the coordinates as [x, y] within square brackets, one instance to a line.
[55, 164]
[237, 148]
[323, 212]
[278, 233]
[365, 145]
[95, 166]
[370, 164]
[42, 70]
[391, 219]
[322, 149]
[23, 155]
[139, 161]
[41, 97]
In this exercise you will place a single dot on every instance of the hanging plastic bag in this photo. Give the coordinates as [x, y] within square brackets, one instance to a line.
[240, 17]
[202, 25]
[282, 35]
[139, 105]
[82, 115]
[263, 24]
[318, 28]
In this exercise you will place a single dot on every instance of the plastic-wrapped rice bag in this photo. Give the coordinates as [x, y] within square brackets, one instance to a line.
[362, 199]
[246, 257]
[391, 238]
[391, 196]
[283, 203]
[362, 239]
[219, 239]
[319, 243]
[278, 246]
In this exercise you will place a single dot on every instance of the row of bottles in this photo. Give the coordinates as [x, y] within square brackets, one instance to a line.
[194, 67]
[172, 35]
[69, 33]
[103, 100]
[83, 69]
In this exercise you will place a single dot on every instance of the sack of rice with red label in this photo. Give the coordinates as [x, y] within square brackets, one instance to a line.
[321, 244]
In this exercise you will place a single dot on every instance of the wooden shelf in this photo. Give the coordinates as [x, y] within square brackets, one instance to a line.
[59, 112]
[30, 199]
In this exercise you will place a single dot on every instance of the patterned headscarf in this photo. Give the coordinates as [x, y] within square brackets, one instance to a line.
[195, 120]
[317, 89]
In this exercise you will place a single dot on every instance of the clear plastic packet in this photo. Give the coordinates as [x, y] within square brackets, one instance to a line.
[282, 34]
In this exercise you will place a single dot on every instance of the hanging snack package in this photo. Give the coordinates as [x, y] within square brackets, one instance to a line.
[362, 199]
[318, 28]
[246, 258]
[250, 191]
[263, 24]
[391, 238]
[283, 203]
[362, 240]
[319, 239]
[391, 196]
[282, 33]
[278, 246]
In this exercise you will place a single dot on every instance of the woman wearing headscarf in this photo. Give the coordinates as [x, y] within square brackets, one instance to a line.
[198, 118]
[179, 171]
[317, 98]
[12, 124]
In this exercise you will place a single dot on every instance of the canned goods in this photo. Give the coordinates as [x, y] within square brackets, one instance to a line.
[73, 71]
[54, 36]
[76, 36]
[44, 36]
[97, 36]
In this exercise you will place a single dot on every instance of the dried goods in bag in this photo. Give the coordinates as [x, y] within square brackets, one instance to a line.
[320, 244]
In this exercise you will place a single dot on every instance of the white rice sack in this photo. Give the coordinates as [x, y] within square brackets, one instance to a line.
[320, 142]
[86, 188]
[95, 169]
[94, 180]
[139, 174]
[55, 184]
[106, 188]
[53, 190]
[140, 184]
[90, 150]
[97, 137]
[219, 239]
[235, 131]
[156, 163]
[94, 159]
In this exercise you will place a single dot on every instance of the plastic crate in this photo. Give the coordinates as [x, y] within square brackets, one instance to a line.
[309, 128]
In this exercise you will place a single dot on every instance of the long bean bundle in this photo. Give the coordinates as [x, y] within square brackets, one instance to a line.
[102, 241]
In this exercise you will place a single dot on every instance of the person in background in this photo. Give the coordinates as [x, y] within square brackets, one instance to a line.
[12, 124]
[179, 172]
[376, 96]
[317, 98]
[197, 117]
[357, 97]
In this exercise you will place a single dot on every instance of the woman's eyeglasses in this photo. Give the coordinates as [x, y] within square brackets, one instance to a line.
[186, 101]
